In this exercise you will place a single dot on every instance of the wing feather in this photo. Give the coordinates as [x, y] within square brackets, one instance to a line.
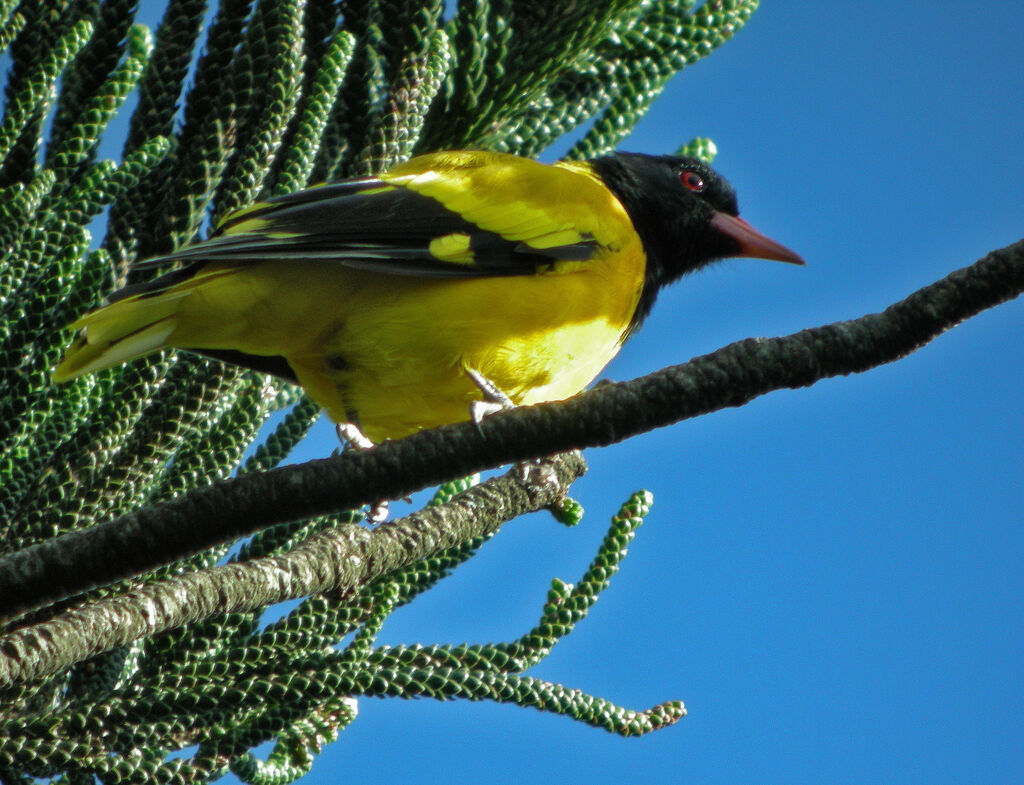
[451, 214]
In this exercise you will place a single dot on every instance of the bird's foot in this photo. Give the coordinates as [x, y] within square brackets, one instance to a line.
[353, 438]
[495, 400]
[350, 434]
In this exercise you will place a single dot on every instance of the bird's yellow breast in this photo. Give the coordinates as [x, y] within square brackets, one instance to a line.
[392, 350]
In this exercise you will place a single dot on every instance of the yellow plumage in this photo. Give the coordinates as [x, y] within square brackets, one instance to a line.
[393, 349]
[378, 294]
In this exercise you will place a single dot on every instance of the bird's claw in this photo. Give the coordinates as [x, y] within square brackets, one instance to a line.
[495, 400]
[478, 410]
[350, 434]
[378, 512]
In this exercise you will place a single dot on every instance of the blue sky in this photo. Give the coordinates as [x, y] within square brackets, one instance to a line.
[830, 578]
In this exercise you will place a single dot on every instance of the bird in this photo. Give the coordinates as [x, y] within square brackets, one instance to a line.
[456, 278]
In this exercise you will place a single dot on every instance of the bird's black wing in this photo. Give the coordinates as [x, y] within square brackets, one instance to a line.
[371, 224]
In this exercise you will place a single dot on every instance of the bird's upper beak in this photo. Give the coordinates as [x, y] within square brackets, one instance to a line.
[752, 243]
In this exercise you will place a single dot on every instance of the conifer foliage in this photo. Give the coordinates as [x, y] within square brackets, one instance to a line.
[232, 101]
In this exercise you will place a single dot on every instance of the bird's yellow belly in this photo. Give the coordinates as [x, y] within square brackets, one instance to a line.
[391, 351]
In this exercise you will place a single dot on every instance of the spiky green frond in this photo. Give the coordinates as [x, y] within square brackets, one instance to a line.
[645, 56]
[290, 682]
[299, 156]
[281, 93]
[33, 99]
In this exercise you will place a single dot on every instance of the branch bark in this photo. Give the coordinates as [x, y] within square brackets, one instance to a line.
[337, 560]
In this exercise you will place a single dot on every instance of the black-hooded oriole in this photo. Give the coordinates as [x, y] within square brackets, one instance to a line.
[379, 295]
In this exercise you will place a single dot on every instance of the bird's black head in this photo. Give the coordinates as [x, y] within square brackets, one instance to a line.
[686, 215]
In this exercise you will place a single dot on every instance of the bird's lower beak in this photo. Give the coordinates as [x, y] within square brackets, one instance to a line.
[751, 242]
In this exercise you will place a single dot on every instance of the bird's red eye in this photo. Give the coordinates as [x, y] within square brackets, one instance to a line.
[692, 180]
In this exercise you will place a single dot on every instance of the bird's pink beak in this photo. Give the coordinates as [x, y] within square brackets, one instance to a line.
[752, 243]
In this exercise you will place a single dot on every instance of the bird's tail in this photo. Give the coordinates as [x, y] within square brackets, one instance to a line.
[124, 330]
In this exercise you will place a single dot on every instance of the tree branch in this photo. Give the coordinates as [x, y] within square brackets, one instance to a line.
[338, 560]
[731, 376]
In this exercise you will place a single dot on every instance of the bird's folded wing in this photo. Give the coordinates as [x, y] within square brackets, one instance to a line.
[447, 214]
